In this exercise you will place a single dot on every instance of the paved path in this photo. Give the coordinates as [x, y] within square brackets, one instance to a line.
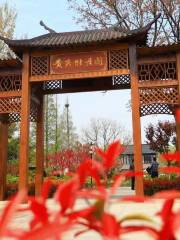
[119, 209]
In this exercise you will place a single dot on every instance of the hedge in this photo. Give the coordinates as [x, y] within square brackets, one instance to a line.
[152, 186]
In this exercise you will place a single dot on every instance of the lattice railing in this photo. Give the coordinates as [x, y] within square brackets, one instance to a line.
[12, 107]
[167, 95]
[39, 65]
[157, 71]
[121, 80]
[53, 85]
[14, 117]
[118, 59]
[155, 108]
[10, 82]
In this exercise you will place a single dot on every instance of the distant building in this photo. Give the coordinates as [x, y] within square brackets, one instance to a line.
[127, 155]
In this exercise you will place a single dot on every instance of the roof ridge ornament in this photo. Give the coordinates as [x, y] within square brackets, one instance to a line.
[50, 30]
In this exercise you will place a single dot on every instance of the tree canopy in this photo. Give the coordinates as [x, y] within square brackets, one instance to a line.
[8, 16]
[161, 136]
[102, 132]
[130, 14]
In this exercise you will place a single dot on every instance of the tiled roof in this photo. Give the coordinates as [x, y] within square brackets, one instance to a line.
[145, 150]
[81, 37]
[6, 53]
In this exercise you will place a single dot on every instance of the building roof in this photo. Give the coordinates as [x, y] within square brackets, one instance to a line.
[66, 39]
[129, 150]
[6, 53]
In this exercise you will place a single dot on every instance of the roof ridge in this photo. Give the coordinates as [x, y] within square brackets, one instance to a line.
[144, 29]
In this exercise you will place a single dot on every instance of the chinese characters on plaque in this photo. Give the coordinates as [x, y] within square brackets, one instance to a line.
[77, 63]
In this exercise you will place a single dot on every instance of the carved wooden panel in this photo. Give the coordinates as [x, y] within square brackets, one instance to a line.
[9, 105]
[155, 108]
[167, 95]
[118, 59]
[10, 83]
[119, 80]
[157, 71]
[39, 65]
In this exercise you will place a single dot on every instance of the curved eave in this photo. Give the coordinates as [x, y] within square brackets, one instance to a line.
[81, 38]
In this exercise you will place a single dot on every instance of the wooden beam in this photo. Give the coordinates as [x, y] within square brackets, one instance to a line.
[158, 83]
[138, 164]
[150, 60]
[24, 125]
[76, 76]
[39, 147]
[10, 94]
[178, 78]
[3, 157]
[85, 89]
[99, 47]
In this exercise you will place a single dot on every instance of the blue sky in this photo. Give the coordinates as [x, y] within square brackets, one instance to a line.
[84, 106]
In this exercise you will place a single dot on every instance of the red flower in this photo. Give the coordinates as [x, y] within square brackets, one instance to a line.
[178, 115]
[171, 156]
[9, 212]
[91, 168]
[66, 194]
[110, 155]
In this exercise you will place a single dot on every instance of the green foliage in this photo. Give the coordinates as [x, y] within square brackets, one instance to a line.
[12, 179]
[13, 142]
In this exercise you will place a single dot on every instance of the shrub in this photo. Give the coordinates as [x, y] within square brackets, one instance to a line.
[46, 224]
[151, 186]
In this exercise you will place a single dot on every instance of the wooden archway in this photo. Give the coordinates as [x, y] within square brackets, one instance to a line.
[83, 61]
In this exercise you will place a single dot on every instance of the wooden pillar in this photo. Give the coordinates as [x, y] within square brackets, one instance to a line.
[136, 123]
[24, 125]
[39, 148]
[3, 157]
[178, 78]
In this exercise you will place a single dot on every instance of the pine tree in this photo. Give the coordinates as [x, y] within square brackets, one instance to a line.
[51, 124]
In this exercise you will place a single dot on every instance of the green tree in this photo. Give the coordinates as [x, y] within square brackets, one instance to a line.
[8, 16]
[13, 142]
[51, 118]
[32, 143]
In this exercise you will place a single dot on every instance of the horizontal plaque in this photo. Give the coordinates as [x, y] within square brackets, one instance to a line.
[78, 62]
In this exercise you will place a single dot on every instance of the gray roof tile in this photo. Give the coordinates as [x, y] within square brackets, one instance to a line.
[79, 37]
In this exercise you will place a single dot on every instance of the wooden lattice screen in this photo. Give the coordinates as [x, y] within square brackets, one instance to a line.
[159, 95]
[118, 59]
[10, 82]
[157, 71]
[160, 99]
[39, 65]
[156, 108]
